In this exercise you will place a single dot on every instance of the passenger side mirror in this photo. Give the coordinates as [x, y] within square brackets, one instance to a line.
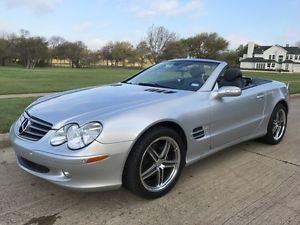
[228, 91]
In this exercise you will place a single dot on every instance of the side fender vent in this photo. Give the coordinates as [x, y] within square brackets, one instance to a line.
[198, 133]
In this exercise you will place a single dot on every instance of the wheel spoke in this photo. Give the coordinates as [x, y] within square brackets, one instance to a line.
[281, 121]
[274, 129]
[278, 131]
[165, 151]
[153, 154]
[160, 176]
[149, 172]
[277, 116]
[170, 163]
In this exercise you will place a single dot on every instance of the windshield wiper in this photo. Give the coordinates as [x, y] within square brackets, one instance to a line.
[152, 85]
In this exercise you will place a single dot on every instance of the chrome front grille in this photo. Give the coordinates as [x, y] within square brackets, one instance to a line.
[33, 128]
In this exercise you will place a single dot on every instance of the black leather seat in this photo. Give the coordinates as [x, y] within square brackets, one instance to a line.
[232, 77]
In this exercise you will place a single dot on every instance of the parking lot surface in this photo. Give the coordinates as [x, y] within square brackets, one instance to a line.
[251, 183]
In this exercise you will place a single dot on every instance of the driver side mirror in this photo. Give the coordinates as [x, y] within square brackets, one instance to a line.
[228, 91]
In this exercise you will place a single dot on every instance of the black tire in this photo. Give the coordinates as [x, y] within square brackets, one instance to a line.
[269, 137]
[131, 177]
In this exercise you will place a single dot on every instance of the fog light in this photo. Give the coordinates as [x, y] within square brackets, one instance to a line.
[67, 174]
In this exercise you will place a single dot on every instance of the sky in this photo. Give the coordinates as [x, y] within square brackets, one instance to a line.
[96, 22]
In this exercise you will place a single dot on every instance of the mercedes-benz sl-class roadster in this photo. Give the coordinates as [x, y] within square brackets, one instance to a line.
[142, 132]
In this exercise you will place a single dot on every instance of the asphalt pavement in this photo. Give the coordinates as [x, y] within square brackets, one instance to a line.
[251, 183]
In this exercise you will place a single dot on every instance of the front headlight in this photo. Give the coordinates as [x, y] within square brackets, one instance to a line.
[20, 120]
[75, 136]
[59, 137]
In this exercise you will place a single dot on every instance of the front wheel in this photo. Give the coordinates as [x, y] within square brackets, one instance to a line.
[277, 125]
[155, 163]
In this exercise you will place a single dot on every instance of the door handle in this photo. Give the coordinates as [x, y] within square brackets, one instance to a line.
[260, 96]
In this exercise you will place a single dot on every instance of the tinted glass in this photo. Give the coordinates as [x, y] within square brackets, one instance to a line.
[182, 75]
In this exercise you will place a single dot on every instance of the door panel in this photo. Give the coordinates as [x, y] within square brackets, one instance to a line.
[236, 117]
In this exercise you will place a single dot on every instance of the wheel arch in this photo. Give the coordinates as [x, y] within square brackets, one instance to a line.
[166, 123]
[176, 127]
[284, 103]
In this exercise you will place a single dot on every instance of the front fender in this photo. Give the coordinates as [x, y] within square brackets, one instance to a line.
[277, 94]
[131, 125]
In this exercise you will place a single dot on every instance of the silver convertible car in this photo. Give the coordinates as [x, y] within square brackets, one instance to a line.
[140, 133]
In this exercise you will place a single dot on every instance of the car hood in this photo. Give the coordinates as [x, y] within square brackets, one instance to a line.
[95, 103]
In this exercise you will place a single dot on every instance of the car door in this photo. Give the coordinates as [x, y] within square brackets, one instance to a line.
[234, 118]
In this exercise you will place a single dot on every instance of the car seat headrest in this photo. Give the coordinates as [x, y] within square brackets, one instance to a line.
[232, 74]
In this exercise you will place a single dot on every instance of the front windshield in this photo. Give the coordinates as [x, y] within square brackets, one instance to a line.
[182, 74]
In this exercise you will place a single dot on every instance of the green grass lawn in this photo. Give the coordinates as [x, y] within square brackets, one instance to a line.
[292, 78]
[10, 110]
[16, 80]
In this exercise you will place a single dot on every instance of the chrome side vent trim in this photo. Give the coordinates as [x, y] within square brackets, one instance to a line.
[198, 133]
[116, 84]
[159, 91]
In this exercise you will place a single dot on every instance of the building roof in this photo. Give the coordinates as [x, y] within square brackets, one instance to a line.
[288, 61]
[290, 50]
[257, 59]
[260, 49]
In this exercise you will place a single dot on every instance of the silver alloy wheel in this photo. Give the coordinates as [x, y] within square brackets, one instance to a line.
[279, 124]
[160, 164]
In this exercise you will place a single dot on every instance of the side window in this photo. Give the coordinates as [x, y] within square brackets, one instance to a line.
[221, 76]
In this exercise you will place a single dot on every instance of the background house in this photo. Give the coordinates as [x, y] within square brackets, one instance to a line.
[274, 57]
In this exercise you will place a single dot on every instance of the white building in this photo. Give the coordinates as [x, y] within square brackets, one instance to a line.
[271, 58]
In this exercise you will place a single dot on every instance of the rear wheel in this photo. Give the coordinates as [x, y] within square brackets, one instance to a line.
[155, 163]
[277, 125]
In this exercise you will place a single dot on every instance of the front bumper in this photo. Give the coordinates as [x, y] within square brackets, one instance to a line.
[100, 175]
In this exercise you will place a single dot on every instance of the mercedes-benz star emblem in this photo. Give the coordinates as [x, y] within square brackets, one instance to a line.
[25, 125]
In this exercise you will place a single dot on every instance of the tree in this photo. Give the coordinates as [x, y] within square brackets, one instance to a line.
[241, 50]
[206, 45]
[231, 57]
[8, 48]
[53, 44]
[55, 41]
[4, 51]
[106, 52]
[298, 44]
[91, 58]
[142, 52]
[12, 51]
[121, 51]
[157, 40]
[31, 50]
[175, 49]
[24, 33]
[73, 51]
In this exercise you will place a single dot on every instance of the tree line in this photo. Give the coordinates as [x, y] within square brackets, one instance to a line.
[160, 44]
